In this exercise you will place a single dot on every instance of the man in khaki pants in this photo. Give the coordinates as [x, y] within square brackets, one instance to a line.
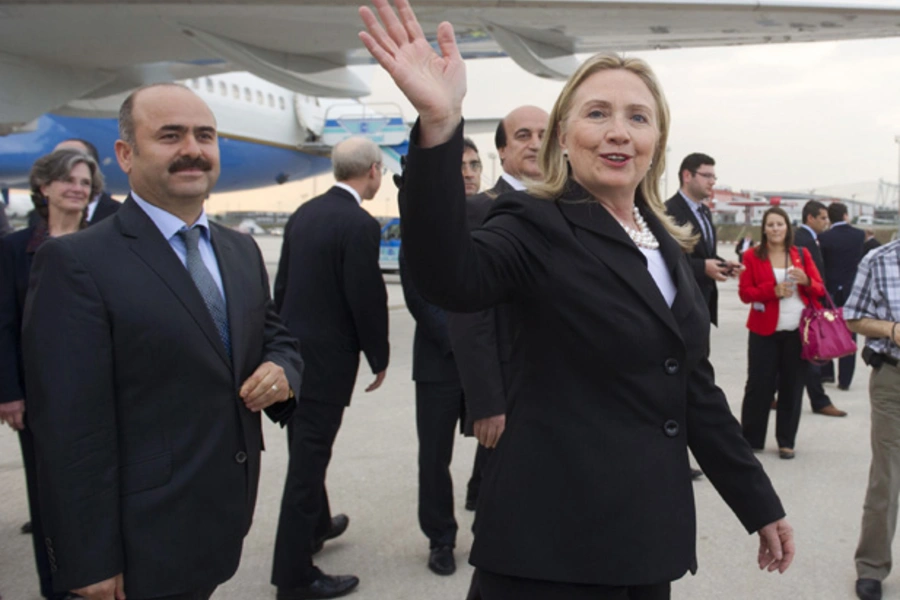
[873, 310]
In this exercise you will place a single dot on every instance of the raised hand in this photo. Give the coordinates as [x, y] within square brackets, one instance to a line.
[435, 85]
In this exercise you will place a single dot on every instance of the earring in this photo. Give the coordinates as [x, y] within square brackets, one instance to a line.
[566, 154]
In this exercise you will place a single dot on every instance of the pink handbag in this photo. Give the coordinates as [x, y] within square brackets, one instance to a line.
[824, 333]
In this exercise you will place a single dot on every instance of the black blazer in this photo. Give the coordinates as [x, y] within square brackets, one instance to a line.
[482, 340]
[804, 239]
[106, 207]
[433, 360]
[677, 207]
[331, 295]
[148, 460]
[842, 249]
[611, 387]
[15, 266]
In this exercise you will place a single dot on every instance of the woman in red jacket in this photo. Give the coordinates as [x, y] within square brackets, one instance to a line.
[778, 281]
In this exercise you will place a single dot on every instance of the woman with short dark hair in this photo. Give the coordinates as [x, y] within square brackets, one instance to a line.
[62, 183]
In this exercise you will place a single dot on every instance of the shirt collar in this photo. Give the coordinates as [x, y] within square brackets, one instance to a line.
[355, 194]
[515, 183]
[167, 223]
[839, 223]
[693, 204]
[811, 231]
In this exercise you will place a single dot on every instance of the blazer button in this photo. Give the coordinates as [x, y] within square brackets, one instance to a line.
[671, 428]
[671, 365]
[240, 457]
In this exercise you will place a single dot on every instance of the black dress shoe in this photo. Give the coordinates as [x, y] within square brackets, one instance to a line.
[868, 589]
[339, 525]
[441, 561]
[26, 528]
[326, 586]
[696, 474]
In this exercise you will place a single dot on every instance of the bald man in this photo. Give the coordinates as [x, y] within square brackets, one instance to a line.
[164, 354]
[482, 341]
[331, 295]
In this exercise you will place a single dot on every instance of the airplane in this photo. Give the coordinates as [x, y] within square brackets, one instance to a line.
[66, 66]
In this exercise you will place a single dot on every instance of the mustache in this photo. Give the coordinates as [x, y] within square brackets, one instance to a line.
[190, 162]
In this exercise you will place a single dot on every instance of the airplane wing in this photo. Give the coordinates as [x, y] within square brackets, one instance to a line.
[54, 52]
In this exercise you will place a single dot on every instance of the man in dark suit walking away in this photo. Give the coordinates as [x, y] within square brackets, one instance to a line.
[482, 341]
[150, 347]
[842, 249]
[815, 222]
[870, 244]
[331, 296]
[102, 205]
[697, 176]
[440, 403]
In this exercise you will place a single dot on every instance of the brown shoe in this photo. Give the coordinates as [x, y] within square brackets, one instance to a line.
[831, 411]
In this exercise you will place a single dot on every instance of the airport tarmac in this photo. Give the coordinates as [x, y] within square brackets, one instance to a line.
[373, 479]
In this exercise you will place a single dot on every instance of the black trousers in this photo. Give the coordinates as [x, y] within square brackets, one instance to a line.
[773, 362]
[204, 594]
[438, 410]
[846, 367]
[818, 399]
[305, 512]
[493, 586]
[41, 561]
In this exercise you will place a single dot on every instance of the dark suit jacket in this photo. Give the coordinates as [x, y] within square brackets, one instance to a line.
[870, 244]
[331, 295]
[106, 207]
[15, 266]
[482, 340]
[804, 239]
[148, 460]
[433, 360]
[842, 249]
[678, 209]
[611, 387]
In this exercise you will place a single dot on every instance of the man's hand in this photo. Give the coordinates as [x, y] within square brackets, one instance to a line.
[111, 589]
[379, 379]
[489, 430]
[776, 546]
[734, 268]
[265, 387]
[13, 414]
[716, 269]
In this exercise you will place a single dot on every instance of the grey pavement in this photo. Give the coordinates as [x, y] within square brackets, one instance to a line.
[373, 479]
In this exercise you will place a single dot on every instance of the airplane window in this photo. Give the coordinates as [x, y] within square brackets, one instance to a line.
[271, 101]
[235, 91]
[281, 102]
[223, 88]
[259, 97]
[209, 85]
[248, 95]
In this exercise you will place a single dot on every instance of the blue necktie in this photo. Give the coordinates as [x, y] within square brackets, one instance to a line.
[205, 283]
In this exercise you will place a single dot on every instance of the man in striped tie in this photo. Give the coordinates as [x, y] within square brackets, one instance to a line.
[150, 348]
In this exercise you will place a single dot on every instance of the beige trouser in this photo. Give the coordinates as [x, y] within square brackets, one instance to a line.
[873, 555]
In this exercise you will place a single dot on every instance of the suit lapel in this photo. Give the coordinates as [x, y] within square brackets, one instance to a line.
[228, 259]
[148, 243]
[601, 234]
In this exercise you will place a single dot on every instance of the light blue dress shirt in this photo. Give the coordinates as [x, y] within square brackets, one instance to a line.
[169, 225]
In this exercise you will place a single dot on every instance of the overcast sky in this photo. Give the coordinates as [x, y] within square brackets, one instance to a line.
[788, 116]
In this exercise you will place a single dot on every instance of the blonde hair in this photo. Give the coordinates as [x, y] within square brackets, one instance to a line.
[555, 167]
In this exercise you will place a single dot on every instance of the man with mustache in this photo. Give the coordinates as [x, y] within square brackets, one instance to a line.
[151, 346]
[482, 341]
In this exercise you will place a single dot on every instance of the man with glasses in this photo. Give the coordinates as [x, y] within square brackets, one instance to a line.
[332, 298]
[440, 403]
[697, 176]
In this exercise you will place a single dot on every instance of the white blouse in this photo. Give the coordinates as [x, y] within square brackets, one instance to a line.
[789, 309]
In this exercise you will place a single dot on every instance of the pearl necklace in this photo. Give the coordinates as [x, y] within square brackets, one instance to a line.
[642, 236]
